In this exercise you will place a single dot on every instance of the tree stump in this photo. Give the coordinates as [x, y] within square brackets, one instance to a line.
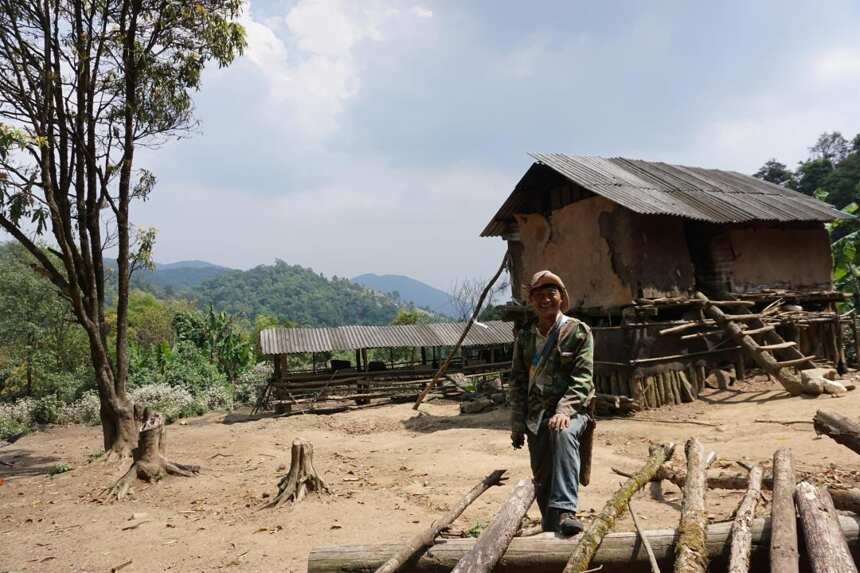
[150, 463]
[302, 477]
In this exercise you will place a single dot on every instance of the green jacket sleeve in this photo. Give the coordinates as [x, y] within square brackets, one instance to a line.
[519, 383]
[577, 366]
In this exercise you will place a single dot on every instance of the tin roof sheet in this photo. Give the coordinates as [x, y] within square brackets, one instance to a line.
[281, 340]
[654, 188]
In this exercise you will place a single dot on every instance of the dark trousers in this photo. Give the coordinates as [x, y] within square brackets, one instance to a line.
[555, 465]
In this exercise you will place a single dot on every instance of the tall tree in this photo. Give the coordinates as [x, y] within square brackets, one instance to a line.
[83, 83]
[776, 172]
[830, 146]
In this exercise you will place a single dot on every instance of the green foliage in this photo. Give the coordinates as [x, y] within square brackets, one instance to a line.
[173, 402]
[59, 469]
[776, 172]
[476, 529]
[252, 383]
[216, 335]
[42, 350]
[296, 294]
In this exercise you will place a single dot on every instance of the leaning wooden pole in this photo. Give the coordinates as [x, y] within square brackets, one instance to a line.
[765, 360]
[691, 552]
[605, 520]
[739, 560]
[444, 367]
[783, 516]
[825, 543]
[428, 536]
[494, 540]
[842, 430]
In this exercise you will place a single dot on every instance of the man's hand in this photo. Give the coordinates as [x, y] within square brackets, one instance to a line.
[518, 439]
[559, 422]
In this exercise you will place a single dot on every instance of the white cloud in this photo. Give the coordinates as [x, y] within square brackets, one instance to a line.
[310, 84]
[422, 12]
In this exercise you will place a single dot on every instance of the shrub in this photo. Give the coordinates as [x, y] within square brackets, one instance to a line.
[83, 411]
[216, 398]
[172, 402]
[252, 383]
[15, 418]
[189, 368]
[45, 410]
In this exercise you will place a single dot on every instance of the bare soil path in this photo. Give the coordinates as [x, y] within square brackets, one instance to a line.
[391, 470]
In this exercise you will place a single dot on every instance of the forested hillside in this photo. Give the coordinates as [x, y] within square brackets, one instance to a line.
[296, 294]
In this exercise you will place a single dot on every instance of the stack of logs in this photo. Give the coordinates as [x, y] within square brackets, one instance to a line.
[830, 539]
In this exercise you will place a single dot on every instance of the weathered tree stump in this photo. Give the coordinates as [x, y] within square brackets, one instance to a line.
[302, 477]
[841, 429]
[783, 516]
[603, 523]
[150, 463]
[691, 552]
[739, 561]
[825, 543]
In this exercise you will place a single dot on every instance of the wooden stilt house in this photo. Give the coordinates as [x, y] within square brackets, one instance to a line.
[635, 241]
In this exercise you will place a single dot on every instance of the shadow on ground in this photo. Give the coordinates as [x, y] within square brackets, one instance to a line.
[17, 462]
[496, 419]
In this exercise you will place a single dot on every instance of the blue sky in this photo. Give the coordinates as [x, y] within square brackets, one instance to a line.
[380, 136]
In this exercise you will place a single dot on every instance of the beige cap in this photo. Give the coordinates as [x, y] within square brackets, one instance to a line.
[547, 278]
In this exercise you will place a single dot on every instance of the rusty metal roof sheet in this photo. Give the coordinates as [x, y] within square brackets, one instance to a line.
[281, 340]
[654, 188]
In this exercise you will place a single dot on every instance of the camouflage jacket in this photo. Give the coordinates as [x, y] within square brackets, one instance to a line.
[567, 371]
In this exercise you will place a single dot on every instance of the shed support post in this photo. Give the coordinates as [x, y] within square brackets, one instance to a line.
[423, 356]
[314, 360]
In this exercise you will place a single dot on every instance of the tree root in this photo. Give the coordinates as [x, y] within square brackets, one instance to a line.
[302, 477]
[150, 464]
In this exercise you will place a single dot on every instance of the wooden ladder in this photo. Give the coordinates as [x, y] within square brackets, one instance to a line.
[743, 328]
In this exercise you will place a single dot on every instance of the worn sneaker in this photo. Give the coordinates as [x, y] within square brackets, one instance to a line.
[568, 524]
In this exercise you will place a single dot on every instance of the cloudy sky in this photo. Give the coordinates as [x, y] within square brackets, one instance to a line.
[381, 135]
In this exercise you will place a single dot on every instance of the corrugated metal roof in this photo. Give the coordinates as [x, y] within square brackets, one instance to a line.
[653, 188]
[292, 340]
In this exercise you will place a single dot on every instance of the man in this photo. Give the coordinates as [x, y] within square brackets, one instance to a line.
[551, 387]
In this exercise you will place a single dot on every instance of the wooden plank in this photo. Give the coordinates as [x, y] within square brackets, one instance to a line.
[777, 346]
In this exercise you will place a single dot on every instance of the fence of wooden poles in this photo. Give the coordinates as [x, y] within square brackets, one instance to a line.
[831, 540]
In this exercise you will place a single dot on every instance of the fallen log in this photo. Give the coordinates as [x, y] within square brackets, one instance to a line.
[783, 517]
[842, 430]
[428, 536]
[825, 543]
[739, 560]
[618, 553]
[846, 499]
[494, 540]
[604, 521]
[691, 552]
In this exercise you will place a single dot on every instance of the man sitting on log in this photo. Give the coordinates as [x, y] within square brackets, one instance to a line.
[551, 388]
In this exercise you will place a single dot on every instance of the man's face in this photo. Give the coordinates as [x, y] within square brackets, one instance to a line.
[546, 301]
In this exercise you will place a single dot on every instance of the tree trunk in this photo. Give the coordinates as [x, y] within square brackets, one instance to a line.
[428, 536]
[494, 540]
[825, 542]
[302, 477]
[843, 430]
[150, 462]
[783, 517]
[119, 427]
[739, 562]
[847, 499]
[691, 552]
[591, 539]
[618, 553]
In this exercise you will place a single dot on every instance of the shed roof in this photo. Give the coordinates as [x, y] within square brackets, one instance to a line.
[281, 340]
[654, 188]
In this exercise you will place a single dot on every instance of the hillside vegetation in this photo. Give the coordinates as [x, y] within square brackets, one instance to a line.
[410, 290]
[296, 294]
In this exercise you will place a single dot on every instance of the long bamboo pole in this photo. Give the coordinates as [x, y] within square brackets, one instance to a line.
[444, 367]
[428, 536]
[605, 520]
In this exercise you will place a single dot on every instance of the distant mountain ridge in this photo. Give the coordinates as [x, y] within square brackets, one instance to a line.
[180, 277]
[410, 290]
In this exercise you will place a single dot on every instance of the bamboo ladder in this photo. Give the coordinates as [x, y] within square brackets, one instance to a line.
[743, 328]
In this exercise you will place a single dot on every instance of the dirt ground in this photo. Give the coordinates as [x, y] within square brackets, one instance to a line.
[391, 470]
